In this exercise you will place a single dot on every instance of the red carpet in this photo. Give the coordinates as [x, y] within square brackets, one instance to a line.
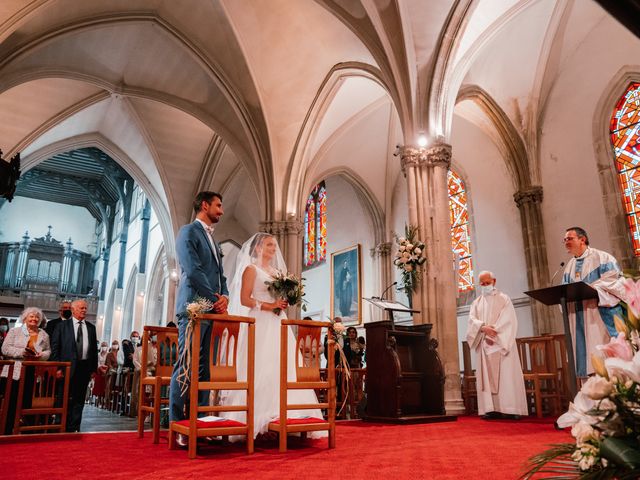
[470, 448]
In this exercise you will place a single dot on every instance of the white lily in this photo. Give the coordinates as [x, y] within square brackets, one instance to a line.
[578, 412]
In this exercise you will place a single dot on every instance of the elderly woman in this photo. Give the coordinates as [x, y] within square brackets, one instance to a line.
[26, 342]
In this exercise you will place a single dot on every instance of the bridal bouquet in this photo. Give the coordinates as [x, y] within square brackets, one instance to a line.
[605, 415]
[409, 257]
[289, 287]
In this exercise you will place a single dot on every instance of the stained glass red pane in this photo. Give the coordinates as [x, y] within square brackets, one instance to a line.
[624, 130]
[460, 238]
[315, 226]
[310, 232]
[322, 223]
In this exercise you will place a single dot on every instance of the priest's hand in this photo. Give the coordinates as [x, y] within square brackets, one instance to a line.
[489, 331]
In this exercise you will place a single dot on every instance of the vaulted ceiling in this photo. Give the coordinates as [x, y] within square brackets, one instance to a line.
[249, 97]
[86, 177]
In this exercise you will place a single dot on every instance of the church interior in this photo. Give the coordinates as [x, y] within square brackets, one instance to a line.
[492, 126]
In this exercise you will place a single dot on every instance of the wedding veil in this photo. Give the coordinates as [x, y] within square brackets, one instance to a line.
[250, 255]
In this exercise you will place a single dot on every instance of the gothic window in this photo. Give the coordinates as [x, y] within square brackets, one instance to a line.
[315, 227]
[624, 130]
[460, 235]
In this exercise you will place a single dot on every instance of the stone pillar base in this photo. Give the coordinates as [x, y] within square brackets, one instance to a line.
[454, 407]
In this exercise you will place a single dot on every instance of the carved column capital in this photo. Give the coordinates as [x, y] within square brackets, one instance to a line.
[528, 195]
[438, 155]
[409, 157]
[282, 227]
[382, 249]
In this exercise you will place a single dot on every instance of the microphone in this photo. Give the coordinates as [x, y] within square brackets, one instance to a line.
[557, 271]
[387, 289]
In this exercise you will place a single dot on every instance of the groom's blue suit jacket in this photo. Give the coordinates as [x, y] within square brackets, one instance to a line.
[201, 276]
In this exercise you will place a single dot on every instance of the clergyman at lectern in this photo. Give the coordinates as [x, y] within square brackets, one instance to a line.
[591, 321]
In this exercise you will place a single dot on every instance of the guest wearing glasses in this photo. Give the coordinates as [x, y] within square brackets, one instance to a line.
[591, 321]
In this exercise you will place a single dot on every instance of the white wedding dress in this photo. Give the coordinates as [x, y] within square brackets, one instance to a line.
[267, 368]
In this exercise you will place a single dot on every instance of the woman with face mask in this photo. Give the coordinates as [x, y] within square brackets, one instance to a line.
[99, 379]
[111, 364]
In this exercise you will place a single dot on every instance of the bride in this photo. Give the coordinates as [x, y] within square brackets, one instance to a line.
[258, 260]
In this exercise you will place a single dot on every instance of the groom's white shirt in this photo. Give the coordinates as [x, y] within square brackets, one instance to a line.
[210, 238]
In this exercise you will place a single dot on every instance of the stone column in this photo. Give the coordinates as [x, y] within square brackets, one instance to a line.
[381, 254]
[426, 173]
[529, 201]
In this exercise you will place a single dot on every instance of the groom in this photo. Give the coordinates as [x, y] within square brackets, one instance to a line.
[200, 260]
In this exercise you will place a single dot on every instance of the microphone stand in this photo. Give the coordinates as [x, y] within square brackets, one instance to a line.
[387, 289]
[554, 275]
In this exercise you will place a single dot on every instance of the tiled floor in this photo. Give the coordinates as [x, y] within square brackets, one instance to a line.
[97, 420]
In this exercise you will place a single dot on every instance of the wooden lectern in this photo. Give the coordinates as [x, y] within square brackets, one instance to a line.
[560, 295]
[405, 379]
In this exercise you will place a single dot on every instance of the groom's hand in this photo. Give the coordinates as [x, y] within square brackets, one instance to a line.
[221, 305]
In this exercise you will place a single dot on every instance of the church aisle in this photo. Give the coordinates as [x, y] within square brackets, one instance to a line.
[470, 448]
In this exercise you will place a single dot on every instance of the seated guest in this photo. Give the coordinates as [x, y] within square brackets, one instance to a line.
[99, 378]
[111, 362]
[26, 342]
[4, 329]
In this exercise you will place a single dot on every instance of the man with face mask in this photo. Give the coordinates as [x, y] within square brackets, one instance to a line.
[65, 314]
[491, 334]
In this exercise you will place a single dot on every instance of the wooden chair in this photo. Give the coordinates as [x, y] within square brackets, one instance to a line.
[307, 378]
[124, 400]
[469, 390]
[542, 384]
[5, 396]
[167, 355]
[43, 395]
[562, 363]
[224, 376]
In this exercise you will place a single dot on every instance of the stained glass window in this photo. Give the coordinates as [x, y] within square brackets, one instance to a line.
[624, 130]
[460, 235]
[315, 226]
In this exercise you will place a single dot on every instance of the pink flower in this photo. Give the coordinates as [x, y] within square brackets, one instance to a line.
[632, 289]
[617, 347]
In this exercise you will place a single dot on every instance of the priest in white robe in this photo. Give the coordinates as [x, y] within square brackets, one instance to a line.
[591, 321]
[491, 334]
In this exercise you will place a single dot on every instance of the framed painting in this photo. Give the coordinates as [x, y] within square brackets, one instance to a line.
[346, 285]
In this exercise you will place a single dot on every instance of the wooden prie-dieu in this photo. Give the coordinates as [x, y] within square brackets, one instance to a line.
[405, 379]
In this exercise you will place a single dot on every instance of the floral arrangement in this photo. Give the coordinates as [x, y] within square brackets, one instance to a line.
[605, 415]
[289, 287]
[409, 257]
[198, 306]
[337, 331]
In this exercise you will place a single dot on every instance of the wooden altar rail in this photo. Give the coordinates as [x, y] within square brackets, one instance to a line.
[545, 374]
